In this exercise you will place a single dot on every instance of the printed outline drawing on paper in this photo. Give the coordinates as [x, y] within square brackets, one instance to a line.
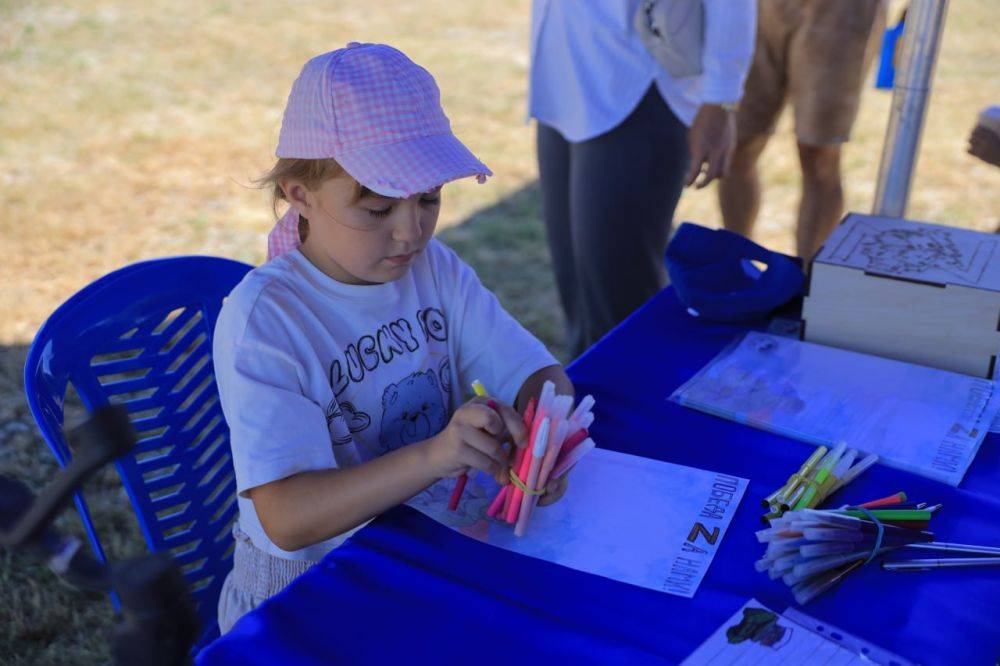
[914, 251]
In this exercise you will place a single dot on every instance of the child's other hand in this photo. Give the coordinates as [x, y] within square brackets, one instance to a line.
[554, 490]
[474, 439]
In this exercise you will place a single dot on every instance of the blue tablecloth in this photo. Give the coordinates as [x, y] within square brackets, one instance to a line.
[407, 588]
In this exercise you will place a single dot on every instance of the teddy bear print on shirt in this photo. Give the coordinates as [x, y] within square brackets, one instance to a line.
[412, 410]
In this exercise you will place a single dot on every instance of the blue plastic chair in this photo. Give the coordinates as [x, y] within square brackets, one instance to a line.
[141, 337]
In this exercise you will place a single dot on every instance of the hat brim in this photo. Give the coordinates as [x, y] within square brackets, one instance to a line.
[412, 166]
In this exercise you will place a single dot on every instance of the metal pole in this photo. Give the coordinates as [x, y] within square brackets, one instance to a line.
[921, 38]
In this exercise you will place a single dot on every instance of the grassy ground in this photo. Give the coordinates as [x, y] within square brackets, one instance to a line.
[132, 130]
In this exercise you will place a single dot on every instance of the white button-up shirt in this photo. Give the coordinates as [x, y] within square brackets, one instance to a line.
[589, 68]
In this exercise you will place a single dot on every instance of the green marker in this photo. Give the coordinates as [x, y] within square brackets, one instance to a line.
[891, 514]
[809, 499]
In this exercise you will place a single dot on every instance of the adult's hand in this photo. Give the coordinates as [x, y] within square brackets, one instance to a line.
[711, 142]
[984, 143]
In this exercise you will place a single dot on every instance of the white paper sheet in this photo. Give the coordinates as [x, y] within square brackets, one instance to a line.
[923, 420]
[631, 519]
[872, 653]
[757, 635]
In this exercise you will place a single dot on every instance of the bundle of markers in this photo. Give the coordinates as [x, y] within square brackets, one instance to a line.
[813, 550]
[822, 474]
[557, 439]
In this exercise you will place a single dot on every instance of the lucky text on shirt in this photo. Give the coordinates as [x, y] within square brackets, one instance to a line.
[388, 342]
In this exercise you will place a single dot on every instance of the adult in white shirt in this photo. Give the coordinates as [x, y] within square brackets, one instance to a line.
[618, 138]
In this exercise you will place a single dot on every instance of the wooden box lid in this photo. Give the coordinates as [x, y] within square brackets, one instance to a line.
[916, 251]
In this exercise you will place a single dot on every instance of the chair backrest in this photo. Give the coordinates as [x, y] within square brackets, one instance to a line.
[141, 337]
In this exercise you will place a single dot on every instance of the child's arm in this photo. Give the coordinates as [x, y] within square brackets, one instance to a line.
[311, 507]
[532, 386]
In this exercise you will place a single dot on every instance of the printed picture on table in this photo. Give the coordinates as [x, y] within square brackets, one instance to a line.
[919, 419]
[760, 626]
[757, 636]
[762, 391]
[918, 251]
[469, 517]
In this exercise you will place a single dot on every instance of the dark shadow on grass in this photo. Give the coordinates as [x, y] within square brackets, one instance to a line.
[506, 245]
[42, 620]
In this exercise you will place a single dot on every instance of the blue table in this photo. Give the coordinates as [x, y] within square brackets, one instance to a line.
[407, 588]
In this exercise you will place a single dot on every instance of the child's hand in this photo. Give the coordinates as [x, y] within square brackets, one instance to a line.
[474, 439]
[554, 490]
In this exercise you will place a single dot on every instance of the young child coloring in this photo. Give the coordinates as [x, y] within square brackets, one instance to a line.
[342, 362]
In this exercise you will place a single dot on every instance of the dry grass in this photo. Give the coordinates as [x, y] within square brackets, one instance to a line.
[131, 130]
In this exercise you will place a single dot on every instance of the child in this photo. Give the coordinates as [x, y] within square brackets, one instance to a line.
[341, 363]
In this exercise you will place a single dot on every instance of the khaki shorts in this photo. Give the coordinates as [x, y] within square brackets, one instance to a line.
[817, 53]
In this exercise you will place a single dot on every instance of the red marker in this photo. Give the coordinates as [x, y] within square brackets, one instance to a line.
[889, 501]
[456, 494]
[573, 441]
[529, 413]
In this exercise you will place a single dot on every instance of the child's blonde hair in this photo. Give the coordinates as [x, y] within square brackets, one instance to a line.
[311, 172]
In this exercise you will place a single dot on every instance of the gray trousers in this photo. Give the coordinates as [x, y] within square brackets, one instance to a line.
[608, 203]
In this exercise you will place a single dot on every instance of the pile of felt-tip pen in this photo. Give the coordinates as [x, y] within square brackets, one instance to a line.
[812, 550]
[557, 439]
[822, 474]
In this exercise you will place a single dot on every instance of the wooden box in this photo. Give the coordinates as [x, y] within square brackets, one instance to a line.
[913, 291]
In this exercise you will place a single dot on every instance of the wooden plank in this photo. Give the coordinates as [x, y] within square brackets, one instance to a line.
[952, 327]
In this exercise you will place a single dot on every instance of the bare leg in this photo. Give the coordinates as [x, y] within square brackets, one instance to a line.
[822, 202]
[739, 190]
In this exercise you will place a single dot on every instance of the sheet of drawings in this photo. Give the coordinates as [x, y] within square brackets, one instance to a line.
[918, 251]
[757, 635]
[926, 421]
[631, 519]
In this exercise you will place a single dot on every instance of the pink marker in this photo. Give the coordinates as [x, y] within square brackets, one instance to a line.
[513, 503]
[581, 409]
[559, 410]
[529, 413]
[548, 462]
[547, 395]
[516, 495]
[573, 457]
[552, 449]
[574, 440]
[521, 461]
[498, 501]
[537, 454]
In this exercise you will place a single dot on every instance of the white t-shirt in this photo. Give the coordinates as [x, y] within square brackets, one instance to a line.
[589, 69]
[316, 374]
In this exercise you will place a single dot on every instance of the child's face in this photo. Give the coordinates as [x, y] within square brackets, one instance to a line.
[372, 240]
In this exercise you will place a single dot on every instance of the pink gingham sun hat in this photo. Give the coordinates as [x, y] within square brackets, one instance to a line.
[379, 115]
